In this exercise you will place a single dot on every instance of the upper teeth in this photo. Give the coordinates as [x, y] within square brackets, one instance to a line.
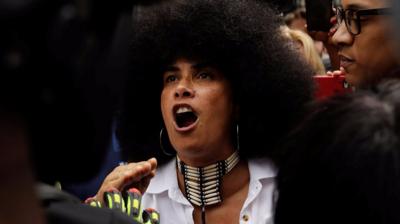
[183, 110]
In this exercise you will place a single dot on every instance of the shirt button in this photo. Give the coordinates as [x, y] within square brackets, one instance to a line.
[245, 218]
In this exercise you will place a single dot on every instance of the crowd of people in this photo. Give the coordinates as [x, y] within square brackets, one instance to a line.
[214, 109]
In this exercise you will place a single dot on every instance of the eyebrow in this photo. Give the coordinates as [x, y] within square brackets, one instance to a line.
[171, 68]
[201, 65]
[197, 66]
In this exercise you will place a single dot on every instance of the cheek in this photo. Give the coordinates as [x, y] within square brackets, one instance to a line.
[164, 105]
[375, 58]
[218, 96]
[375, 45]
[221, 104]
[366, 54]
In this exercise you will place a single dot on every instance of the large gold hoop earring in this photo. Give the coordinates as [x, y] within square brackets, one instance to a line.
[164, 149]
[237, 137]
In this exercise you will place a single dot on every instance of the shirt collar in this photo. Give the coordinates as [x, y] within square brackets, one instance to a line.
[261, 168]
[165, 178]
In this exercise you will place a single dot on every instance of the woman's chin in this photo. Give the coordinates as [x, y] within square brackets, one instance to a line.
[189, 149]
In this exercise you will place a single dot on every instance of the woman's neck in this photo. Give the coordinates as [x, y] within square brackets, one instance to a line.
[230, 183]
[202, 158]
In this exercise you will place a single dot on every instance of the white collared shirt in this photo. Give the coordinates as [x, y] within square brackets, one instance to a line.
[164, 195]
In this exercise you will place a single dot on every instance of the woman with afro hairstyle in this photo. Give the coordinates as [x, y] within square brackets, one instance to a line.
[215, 86]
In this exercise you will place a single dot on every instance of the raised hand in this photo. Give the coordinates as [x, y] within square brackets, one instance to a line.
[137, 175]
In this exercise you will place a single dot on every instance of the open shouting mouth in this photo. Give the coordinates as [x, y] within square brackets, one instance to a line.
[185, 117]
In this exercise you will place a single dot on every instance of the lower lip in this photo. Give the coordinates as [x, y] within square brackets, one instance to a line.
[186, 129]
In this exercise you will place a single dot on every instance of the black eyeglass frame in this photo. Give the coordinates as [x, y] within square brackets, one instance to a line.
[340, 13]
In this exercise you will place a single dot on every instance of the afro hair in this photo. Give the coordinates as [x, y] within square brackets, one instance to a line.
[271, 84]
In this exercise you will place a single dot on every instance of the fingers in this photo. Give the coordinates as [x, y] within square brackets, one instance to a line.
[133, 204]
[130, 203]
[325, 37]
[134, 171]
[336, 72]
[153, 163]
[319, 35]
[145, 181]
[132, 174]
[151, 216]
[139, 175]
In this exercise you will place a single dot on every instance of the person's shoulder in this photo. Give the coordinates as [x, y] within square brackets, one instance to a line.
[262, 168]
[63, 208]
[69, 213]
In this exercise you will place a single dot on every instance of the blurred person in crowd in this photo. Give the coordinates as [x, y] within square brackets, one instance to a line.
[55, 111]
[201, 69]
[296, 19]
[396, 21]
[343, 162]
[20, 202]
[365, 41]
[305, 45]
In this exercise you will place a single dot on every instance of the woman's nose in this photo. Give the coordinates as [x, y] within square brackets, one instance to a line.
[342, 36]
[183, 90]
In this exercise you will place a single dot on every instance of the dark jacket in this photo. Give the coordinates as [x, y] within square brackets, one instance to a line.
[63, 208]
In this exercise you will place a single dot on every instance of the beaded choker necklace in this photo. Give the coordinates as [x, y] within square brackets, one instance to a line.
[203, 185]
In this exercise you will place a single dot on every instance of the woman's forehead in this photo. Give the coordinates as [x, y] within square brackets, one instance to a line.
[365, 4]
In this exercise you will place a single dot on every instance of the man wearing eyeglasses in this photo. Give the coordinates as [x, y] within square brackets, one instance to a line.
[365, 40]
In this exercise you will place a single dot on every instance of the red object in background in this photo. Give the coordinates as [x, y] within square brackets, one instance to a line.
[328, 85]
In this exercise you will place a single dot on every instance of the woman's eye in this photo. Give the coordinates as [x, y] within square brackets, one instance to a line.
[204, 75]
[170, 78]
